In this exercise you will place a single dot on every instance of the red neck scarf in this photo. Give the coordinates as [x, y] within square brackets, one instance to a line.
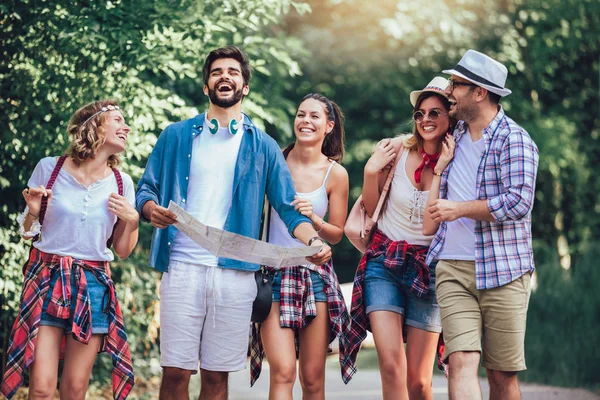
[429, 160]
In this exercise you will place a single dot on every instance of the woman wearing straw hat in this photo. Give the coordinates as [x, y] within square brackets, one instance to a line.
[394, 286]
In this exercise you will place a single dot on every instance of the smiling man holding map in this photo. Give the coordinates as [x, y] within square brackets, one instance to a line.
[216, 166]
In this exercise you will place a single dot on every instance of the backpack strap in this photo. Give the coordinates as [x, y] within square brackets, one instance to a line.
[44, 205]
[119, 179]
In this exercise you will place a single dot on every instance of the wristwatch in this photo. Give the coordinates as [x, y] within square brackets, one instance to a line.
[312, 239]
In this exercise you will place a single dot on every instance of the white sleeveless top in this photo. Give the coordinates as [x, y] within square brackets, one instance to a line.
[278, 232]
[402, 217]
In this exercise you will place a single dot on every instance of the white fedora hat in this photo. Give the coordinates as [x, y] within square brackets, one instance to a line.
[437, 85]
[483, 71]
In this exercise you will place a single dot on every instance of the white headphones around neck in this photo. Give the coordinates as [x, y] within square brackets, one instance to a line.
[213, 125]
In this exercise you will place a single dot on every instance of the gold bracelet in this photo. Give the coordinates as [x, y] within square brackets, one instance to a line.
[33, 217]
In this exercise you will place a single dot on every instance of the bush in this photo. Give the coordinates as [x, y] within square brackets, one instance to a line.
[562, 345]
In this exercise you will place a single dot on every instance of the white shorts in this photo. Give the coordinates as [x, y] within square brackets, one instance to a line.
[205, 315]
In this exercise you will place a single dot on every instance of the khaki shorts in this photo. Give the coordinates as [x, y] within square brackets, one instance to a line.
[500, 312]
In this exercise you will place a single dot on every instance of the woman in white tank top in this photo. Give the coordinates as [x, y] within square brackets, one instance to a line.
[322, 188]
[398, 287]
[78, 205]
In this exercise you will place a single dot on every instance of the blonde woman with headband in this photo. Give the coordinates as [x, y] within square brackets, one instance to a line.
[78, 207]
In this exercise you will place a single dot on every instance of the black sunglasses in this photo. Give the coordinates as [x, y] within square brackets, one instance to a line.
[434, 114]
[452, 84]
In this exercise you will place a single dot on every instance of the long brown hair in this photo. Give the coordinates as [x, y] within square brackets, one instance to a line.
[333, 145]
[87, 136]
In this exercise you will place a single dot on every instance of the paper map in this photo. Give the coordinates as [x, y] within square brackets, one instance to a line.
[231, 245]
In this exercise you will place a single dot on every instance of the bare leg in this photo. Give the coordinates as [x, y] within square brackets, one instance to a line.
[462, 381]
[503, 385]
[175, 383]
[79, 361]
[421, 348]
[313, 350]
[387, 332]
[213, 385]
[281, 354]
[43, 371]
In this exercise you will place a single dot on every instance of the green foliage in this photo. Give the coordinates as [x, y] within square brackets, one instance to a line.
[11, 260]
[562, 344]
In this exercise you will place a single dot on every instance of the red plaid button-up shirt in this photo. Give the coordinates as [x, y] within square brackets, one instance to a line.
[298, 309]
[397, 255]
[38, 272]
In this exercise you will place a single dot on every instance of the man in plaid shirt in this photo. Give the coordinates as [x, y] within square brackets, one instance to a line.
[483, 240]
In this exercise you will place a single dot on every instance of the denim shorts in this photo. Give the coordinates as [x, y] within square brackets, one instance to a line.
[318, 286]
[99, 299]
[385, 290]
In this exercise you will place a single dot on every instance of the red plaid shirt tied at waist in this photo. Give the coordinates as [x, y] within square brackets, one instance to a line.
[298, 309]
[398, 256]
[38, 272]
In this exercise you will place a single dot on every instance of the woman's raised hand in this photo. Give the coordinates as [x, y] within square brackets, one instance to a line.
[304, 206]
[446, 155]
[33, 197]
[119, 206]
[383, 157]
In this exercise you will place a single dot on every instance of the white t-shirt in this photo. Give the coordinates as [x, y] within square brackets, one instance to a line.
[459, 243]
[210, 190]
[78, 222]
[402, 218]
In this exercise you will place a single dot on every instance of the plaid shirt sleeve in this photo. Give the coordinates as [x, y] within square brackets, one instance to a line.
[518, 168]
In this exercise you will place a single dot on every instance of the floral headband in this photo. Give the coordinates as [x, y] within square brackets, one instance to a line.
[103, 110]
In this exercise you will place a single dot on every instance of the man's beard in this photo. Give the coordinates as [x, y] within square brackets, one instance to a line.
[225, 103]
[464, 112]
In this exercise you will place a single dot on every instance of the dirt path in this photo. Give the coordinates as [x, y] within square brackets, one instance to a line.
[366, 386]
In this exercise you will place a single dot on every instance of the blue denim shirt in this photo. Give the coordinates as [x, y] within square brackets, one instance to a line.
[260, 169]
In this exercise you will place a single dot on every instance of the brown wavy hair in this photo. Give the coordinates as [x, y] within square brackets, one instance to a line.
[415, 141]
[87, 136]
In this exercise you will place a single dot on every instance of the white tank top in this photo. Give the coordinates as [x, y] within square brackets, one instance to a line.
[402, 218]
[278, 232]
